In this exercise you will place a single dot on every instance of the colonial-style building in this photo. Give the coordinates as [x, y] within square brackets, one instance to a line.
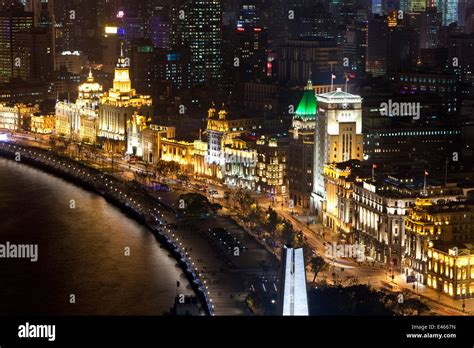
[118, 105]
[450, 268]
[271, 168]
[439, 221]
[78, 121]
[12, 117]
[338, 208]
[42, 124]
[300, 164]
[381, 209]
[221, 129]
[240, 158]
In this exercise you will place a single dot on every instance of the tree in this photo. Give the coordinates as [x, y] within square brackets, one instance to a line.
[288, 233]
[245, 200]
[356, 300]
[198, 205]
[271, 219]
[318, 264]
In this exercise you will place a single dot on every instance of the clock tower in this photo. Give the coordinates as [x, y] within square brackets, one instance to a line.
[122, 82]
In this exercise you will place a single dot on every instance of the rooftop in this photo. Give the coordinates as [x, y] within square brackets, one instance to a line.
[308, 106]
[339, 96]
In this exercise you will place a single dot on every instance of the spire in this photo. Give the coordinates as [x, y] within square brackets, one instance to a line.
[309, 86]
[90, 77]
[122, 60]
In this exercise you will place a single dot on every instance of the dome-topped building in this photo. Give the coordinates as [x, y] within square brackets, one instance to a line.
[90, 92]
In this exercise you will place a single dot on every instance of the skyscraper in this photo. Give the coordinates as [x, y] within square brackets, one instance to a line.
[15, 58]
[338, 136]
[197, 24]
[448, 9]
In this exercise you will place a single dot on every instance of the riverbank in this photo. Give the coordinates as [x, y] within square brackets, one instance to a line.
[121, 194]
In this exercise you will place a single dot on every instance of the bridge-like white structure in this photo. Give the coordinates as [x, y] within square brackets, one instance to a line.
[294, 293]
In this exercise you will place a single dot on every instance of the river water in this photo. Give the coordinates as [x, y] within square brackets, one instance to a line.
[81, 252]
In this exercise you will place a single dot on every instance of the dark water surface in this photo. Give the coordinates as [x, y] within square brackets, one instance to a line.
[80, 252]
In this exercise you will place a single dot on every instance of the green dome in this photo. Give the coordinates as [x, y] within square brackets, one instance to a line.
[308, 107]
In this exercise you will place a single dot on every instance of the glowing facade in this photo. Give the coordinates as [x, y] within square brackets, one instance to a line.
[442, 222]
[450, 269]
[119, 104]
[11, 117]
[42, 124]
[78, 121]
[220, 132]
[338, 136]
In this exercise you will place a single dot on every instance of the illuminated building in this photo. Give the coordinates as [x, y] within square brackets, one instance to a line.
[450, 268]
[15, 57]
[200, 30]
[301, 149]
[221, 129]
[135, 127]
[381, 209]
[42, 124]
[72, 61]
[240, 163]
[449, 10]
[110, 43]
[379, 218]
[250, 43]
[181, 152]
[338, 136]
[151, 140]
[440, 221]
[272, 153]
[200, 153]
[78, 121]
[417, 5]
[118, 105]
[339, 180]
[12, 117]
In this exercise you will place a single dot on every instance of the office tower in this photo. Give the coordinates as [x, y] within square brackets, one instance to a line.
[391, 44]
[376, 63]
[15, 58]
[197, 24]
[448, 9]
[338, 136]
[430, 25]
[297, 59]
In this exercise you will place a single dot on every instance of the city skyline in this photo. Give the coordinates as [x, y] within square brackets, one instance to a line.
[293, 156]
